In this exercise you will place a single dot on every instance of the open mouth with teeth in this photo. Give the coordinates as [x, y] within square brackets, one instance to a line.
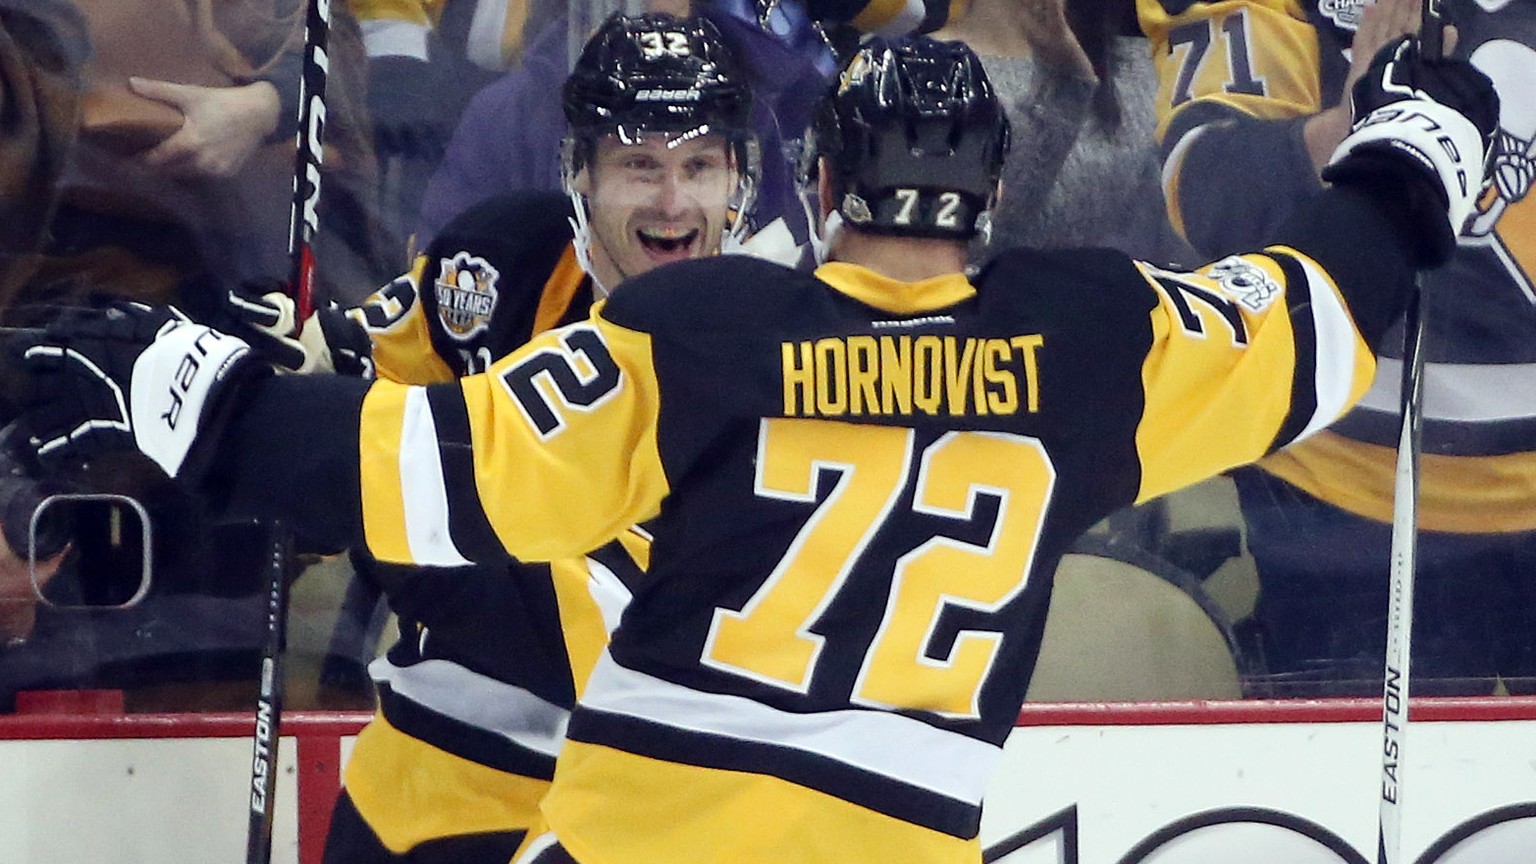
[668, 244]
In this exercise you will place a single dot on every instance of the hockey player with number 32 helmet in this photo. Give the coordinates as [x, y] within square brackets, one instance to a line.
[475, 695]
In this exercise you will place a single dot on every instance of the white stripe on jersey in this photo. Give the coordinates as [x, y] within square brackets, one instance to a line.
[477, 700]
[1334, 361]
[609, 592]
[1463, 392]
[535, 847]
[485, 44]
[904, 749]
[1175, 157]
[425, 499]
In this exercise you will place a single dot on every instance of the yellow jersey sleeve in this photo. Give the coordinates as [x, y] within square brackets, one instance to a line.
[1222, 336]
[401, 334]
[550, 453]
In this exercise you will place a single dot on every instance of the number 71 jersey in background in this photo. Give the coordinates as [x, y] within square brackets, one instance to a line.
[859, 488]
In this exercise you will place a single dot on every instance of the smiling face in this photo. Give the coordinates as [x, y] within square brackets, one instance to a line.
[652, 204]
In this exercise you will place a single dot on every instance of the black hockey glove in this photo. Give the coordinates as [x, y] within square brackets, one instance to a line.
[1423, 133]
[330, 341]
[129, 377]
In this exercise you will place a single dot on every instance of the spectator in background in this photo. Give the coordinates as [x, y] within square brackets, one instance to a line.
[1246, 121]
[18, 603]
[183, 166]
[43, 46]
[426, 58]
[1079, 86]
[18, 599]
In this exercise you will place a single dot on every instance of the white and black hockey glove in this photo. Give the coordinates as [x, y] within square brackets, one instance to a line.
[129, 377]
[332, 340]
[1423, 128]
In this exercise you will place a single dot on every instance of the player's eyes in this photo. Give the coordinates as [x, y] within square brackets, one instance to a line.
[702, 166]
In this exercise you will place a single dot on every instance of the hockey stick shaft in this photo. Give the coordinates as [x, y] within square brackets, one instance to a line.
[303, 225]
[269, 702]
[1394, 697]
[1405, 507]
[304, 217]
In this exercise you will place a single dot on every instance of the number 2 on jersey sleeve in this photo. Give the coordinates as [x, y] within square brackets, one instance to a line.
[770, 638]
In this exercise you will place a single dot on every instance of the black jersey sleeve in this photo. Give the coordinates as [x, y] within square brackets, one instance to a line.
[1334, 227]
[291, 453]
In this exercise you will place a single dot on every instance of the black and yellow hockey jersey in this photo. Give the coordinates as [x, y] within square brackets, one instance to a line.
[501, 272]
[1238, 81]
[859, 488]
[475, 696]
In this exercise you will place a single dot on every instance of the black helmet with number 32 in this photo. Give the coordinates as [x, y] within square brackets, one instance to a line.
[655, 74]
[913, 137]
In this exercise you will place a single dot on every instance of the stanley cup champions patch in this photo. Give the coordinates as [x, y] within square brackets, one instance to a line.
[466, 295]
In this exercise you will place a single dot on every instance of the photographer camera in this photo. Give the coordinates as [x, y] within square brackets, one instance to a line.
[20, 497]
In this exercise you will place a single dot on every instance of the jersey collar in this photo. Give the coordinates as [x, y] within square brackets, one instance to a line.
[894, 295]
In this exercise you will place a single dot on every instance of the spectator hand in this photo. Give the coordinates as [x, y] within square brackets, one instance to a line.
[128, 377]
[222, 126]
[18, 596]
[1381, 23]
[1422, 131]
[411, 118]
[330, 341]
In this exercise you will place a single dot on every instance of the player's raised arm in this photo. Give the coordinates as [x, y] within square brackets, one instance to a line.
[334, 454]
[1407, 174]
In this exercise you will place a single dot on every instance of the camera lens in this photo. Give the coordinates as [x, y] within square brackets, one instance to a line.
[20, 498]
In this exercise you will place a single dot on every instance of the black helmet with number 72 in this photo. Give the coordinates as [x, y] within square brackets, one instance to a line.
[913, 138]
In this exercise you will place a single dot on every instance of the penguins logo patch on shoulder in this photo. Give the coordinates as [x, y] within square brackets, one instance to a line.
[466, 295]
[1246, 283]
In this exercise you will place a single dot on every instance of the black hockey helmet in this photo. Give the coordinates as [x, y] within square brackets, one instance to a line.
[648, 74]
[913, 137]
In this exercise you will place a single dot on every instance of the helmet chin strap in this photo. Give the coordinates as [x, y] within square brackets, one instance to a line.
[823, 240]
[581, 241]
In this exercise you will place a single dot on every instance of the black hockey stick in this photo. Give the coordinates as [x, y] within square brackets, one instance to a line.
[303, 224]
[1405, 529]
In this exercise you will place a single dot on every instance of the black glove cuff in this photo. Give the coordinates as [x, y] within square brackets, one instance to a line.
[216, 418]
[1414, 202]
